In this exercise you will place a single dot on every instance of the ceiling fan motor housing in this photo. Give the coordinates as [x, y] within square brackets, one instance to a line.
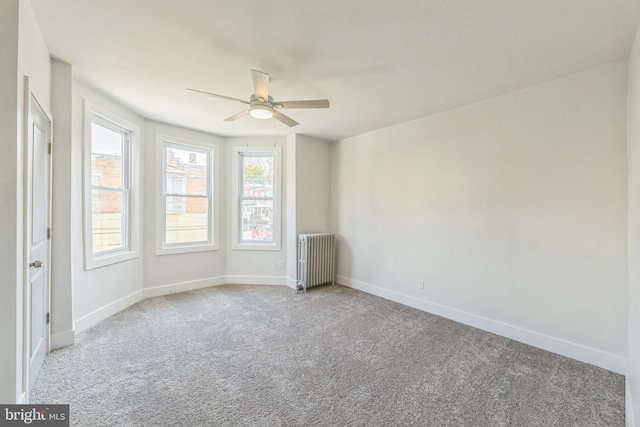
[261, 109]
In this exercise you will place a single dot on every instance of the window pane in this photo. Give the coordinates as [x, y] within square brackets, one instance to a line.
[186, 220]
[186, 171]
[176, 204]
[257, 177]
[106, 156]
[257, 220]
[107, 220]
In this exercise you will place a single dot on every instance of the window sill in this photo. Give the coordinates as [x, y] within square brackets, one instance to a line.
[109, 259]
[255, 247]
[171, 250]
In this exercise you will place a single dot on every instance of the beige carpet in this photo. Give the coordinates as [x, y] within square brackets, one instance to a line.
[264, 356]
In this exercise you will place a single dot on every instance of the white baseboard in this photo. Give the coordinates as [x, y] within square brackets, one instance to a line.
[292, 283]
[629, 414]
[157, 291]
[108, 310]
[560, 346]
[256, 280]
[63, 339]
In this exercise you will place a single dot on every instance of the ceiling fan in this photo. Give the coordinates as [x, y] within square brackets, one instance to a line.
[262, 106]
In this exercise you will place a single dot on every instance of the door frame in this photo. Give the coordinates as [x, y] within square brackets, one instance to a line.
[31, 98]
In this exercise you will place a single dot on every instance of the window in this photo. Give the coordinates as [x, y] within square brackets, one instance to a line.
[186, 199]
[257, 198]
[109, 205]
[110, 197]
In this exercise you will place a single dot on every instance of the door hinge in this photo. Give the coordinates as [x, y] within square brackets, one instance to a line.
[48, 233]
[50, 145]
[48, 318]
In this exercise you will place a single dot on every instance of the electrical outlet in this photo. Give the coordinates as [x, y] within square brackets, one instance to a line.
[280, 264]
[421, 284]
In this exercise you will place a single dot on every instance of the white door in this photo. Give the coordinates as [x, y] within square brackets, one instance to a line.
[37, 233]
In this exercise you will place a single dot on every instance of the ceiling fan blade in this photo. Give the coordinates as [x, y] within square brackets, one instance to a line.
[284, 119]
[313, 103]
[236, 116]
[260, 84]
[219, 96]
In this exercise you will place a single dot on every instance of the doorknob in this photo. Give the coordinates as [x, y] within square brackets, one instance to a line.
[36, 264]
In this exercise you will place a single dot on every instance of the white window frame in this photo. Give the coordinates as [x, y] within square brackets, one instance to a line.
[131, 228]
[236, 210]
[212, 244]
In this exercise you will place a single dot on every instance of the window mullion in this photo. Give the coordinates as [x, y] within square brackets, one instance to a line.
[256, 200]
[200, 196]
[116, 189]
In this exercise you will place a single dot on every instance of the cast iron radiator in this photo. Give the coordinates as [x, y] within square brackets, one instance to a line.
[316, 260]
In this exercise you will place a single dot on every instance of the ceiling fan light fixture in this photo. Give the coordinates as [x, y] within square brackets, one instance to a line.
[262, 112]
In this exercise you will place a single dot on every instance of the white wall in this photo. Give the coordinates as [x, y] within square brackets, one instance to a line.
[23, 53]
[290, 208]
[102, 291]
[512, 210]
[633, 153]
[62, 328]
[190, 270]
[259, 267]
[10, 234]
[313, 185]
[34, 60]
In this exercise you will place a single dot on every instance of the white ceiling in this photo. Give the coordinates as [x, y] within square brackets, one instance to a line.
[379, 62]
